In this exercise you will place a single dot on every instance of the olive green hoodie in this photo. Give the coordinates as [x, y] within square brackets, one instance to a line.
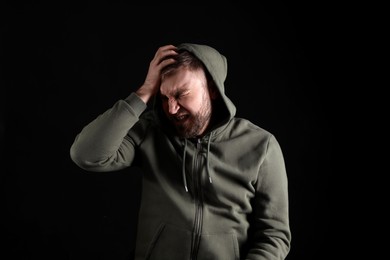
[223, 196]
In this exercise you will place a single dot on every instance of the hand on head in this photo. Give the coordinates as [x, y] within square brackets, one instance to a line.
[152, 82]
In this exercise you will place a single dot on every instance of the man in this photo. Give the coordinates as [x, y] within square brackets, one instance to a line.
[214, 186]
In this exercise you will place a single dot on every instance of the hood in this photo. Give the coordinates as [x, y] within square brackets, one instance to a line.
[216, 64]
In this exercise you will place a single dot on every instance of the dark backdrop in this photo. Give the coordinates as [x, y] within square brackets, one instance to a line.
[63, 64]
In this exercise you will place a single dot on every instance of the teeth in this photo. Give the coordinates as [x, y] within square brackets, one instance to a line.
[180, 117]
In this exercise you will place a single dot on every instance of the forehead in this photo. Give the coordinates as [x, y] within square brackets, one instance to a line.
[183, 79]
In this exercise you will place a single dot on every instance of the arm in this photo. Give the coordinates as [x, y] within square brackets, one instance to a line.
[104, 144]
[270, 229]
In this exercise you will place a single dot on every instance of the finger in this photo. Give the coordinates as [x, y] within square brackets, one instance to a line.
[167, 47]
[165, 51]
[166, 62]
[167, 55]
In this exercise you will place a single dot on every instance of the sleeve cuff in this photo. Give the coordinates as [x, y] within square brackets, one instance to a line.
[136, 104]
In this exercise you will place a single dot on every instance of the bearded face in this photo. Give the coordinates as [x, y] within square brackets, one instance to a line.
[187, 102]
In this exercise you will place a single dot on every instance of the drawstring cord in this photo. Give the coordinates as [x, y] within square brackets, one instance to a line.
[184, 165]
[207, 158]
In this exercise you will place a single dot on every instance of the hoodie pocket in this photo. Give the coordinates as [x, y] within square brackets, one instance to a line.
[219, 247]
[170, 243]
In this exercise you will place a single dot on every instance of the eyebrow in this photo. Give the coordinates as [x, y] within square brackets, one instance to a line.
[176, 92]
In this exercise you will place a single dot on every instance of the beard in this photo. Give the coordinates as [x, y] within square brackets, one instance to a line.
[194, 124]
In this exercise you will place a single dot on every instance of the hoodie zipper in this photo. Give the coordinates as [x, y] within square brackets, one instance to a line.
[198, 204]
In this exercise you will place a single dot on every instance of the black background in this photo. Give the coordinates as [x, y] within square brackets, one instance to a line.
[63, 64]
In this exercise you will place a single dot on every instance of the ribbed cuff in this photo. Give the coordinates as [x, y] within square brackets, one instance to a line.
[136, 104]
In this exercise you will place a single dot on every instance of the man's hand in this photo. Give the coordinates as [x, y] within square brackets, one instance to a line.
[153, 78]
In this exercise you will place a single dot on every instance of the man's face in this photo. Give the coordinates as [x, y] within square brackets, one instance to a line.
[186, 101]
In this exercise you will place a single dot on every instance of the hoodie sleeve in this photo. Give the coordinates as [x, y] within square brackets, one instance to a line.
[103, 144]
[271, 231]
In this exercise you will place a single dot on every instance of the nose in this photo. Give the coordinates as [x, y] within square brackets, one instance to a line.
[173, 106]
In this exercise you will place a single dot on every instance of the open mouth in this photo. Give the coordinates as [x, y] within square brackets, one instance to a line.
[180, 118]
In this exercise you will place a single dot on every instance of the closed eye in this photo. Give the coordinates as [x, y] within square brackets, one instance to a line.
[182, 95]
[176, 96]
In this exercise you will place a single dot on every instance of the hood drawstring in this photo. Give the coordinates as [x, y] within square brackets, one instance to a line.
[184, 162]
[207, 158]
[184, 165]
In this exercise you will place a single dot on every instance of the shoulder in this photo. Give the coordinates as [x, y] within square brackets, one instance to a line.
[244, 126]
[244, 130]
